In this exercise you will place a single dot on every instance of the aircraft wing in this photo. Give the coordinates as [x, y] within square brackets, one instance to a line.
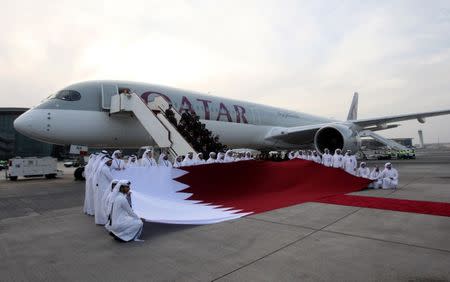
[296, 134]
[305, 134]
[388, 119]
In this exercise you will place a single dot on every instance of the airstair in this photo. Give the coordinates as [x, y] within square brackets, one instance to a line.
[391, 144]
[152, 118]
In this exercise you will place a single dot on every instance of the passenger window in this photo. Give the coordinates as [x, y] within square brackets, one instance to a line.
[68, 95]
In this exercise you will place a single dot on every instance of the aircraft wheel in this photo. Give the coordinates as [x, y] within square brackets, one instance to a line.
[50, 176]
[79, 172]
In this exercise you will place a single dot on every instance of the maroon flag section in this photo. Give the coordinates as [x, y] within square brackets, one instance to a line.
[258, 186]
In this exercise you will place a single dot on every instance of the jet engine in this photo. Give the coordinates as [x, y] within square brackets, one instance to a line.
[337, 136]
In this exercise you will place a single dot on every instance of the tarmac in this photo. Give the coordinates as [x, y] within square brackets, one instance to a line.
[44, 236]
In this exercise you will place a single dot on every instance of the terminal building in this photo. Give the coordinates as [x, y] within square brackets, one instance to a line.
[14, 144]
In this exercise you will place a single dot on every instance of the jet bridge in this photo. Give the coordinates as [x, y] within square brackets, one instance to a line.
[152, 118]
[392, 144]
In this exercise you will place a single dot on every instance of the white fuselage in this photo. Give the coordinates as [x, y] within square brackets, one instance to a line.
[87, 121]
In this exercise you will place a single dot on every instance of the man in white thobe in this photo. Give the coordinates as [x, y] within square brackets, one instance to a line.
[147, 159]
[302, 155]
[363, 171]
[178, 162]
[188, 160]
[316, 158]
[161, 156]
[212, 158]
[248, 156]
[94, 172]
[307, 155]
[117, 163]
[88, 207]
[104, 179]
[291, 155]
[110, 195]
[327, 158]
[389, 176]
[349, 163]
[337, 159]
[199, 160]
[164, 161]
[220, 157]
[124, 224]
[132, 161]
[229, 157]
[375, 175]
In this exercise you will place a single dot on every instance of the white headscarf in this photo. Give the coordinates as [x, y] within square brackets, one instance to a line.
[102, 162]
[228, 159]
[176, 163]
[97, 165]
[188, 161]
[211, 159]
[148, 156]
[112, 194]
[90, 164]
[219, 157]
[163, 162]
[130, 163]
[114, 155]
[161, 157]
[199, 161]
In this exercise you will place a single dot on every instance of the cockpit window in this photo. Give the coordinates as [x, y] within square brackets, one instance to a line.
[67, 95]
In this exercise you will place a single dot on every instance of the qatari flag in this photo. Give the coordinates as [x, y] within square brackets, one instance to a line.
[218, 192]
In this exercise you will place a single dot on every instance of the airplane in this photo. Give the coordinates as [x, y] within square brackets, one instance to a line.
[80, 114]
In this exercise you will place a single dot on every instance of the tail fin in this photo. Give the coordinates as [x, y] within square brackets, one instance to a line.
[353, 112]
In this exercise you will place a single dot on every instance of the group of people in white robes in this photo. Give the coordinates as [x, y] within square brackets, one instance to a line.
[199, 159]
[191, 159]
[386, 179]
[104, 196]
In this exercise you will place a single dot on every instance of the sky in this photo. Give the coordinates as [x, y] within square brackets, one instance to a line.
[308, 56]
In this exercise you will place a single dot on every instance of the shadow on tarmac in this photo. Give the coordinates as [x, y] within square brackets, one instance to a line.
[152, 229]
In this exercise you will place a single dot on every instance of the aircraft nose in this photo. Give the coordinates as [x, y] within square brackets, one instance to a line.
[31, 124]
[24, 124]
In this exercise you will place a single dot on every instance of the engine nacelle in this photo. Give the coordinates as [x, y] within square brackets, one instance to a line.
[337, 136]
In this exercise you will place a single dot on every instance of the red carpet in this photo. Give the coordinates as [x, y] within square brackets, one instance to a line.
[433, 208]
[258, 186]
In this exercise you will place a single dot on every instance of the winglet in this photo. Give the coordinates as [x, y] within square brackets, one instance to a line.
[353, 112]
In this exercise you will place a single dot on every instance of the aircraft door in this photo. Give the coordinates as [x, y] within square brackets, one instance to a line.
[108, 90]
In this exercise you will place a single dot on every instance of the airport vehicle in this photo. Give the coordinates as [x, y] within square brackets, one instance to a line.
[123, 114]
[406, 154]
[32, 167]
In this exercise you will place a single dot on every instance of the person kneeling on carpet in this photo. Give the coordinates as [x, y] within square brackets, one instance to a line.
[389, 176]
[363, 171]
[123, 224]
[375, 175]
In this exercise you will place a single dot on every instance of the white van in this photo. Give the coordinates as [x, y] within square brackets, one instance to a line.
[32, 167]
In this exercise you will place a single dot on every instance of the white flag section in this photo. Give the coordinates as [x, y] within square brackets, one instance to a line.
[156, 198]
